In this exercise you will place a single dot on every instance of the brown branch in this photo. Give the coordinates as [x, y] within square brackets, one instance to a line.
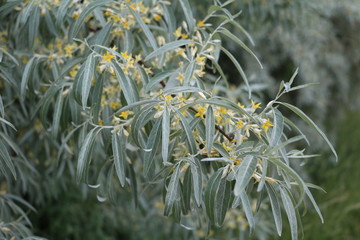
[216, 127]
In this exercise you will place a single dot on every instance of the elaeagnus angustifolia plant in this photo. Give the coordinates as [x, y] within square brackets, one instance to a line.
[131, 99]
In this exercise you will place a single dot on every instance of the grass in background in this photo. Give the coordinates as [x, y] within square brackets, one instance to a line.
[341, 205]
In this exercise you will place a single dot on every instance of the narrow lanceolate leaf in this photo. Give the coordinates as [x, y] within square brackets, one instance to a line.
[290, 172]
[157, 79]
[241, 43]
[152, 145]
[85, 12]
[165, 134]
[7, 123]
[210, 129]
[61, 12]
[167, 47]
[87, 79]
[277, 129]
[317, 209]
[238, 67]
[189, 73]
[290, 212]
[57, 114]
[119, 151]
[127, 87]
[5, 159]
[145, 28]
[85, 154]
[196, 179]
[244, 173]
[33, 24]
[189, 136]
[188, 14]
[217, 198]
[26, 76]
[275, 206]
[247, 209]
[310, 122]
[173, 190]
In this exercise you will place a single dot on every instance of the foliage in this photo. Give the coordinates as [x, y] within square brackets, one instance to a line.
[341, 203]
[128, 99]
[321, 38]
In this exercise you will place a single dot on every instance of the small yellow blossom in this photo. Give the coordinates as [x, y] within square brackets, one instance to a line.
[168, 98]
[73, 73]
[116, 18]
[201, 24]
[101, 122]
[52, 57]
[125, 55]
[227, 148]
[126, 24]
[148, 70]
[180, 51]
[177, 33]
[184, 36]
[125, 114]
[240, 124]
[157, 17]
[200, 60]
[68, 50]
[223, 110]
[108, 56]
[255, 105]
[200, 112]
[267, 124]
[75, 15]
[242, 106]
[114, 105]
[138, 58]
[180, 77]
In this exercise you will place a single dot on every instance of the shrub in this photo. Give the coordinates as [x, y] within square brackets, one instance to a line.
[128, 98]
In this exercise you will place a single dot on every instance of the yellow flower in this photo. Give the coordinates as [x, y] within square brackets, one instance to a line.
[200, 60]
[177, 33]
[116, 18]
[73, 73]
[242, 106]
[168, 98]
[108, 56]
[157, 17]
[227, 148]
[184, 36]
[125, 55]
[267, 124]
[201, 24]
[223, 110]
[101, 122]
[75, 15]
[240, 124]
[148, 70]
[180, 77]
[114, 105]
[180, 51]
[68, 49]
[138, 58]
[125, 23]
[200, 112]
[199, 72]
[255, 105]
[125, 114]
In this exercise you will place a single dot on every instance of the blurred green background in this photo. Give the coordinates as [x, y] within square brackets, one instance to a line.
[320, 37]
